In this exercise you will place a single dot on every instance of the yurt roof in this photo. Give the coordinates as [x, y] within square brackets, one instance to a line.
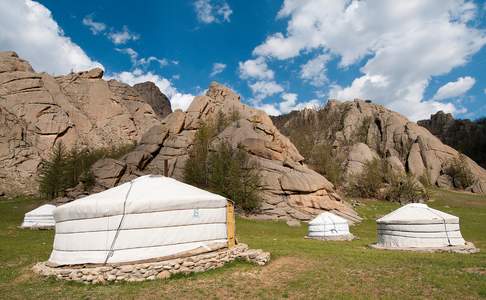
[416, 213]
[148, 193]
[327, 218]
[44, 210]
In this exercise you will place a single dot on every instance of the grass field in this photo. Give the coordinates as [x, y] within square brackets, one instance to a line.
[299, 268]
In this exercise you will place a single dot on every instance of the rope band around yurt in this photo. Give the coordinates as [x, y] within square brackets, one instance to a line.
[111, 251]
[445, 225]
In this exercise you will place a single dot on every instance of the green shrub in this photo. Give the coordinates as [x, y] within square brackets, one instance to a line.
[370, 180]
[233, 175]
[405, 189]
[377, 180]
[459, 170]
[196, 167]
[66, 169]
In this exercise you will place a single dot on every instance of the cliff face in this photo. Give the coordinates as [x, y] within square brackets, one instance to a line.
[154, 97]
[79, 109]
[364, 130]
[291, 190]
[466, 136]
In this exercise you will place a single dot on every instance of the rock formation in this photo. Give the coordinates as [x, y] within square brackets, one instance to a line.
[466, 136]
[38, 110]
[154, 97]
[365, 130]
[291, 190]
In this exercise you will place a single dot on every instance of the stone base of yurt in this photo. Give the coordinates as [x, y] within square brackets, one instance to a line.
[38, 227]
[465, 249]
[347, 237]
[153, 270]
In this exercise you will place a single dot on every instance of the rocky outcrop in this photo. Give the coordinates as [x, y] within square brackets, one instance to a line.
[38, 110]
[154, 97]
[466, 136]
[290, 189]
[351, 126]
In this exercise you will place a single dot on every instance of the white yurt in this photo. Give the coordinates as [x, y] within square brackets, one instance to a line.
[147, 218]
[328, 226]
[40, 218]
[418, 226]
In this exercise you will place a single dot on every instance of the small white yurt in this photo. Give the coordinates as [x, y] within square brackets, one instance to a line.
[40, 218]
[328, 226]
[150, 217]
[418, 226]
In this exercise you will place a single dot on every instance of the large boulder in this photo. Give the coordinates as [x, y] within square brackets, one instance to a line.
[290, 189]
[358, 156]
[154, 97]
[363, 130]
[81, 109]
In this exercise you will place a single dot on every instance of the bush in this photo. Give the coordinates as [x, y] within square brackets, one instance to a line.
[378, 180]
[227, 171]
[66, 169]
[405, 189]
[459, 170]
[370, 180]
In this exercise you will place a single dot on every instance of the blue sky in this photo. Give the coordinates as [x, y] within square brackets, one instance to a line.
[415, 57]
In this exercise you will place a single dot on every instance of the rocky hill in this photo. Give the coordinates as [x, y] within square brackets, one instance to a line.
[467, 136]
[360, 130]
[291, 189]
[78, 109]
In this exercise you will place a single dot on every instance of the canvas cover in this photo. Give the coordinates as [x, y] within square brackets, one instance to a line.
[149, 217]
[418, 226]
[41, 217]
[328, 224]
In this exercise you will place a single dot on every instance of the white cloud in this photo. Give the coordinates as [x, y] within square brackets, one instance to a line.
[255, 68]
[405, 44]
[484, 89]
[264, 89]
[144, 61]
[224, 11]
[208, 11]
[288, 104]
[314, 71]
[123, 36]
[178, 100]
[95, 27]
[217, 68]
[454, 88]
[28, 28]
[269, 109]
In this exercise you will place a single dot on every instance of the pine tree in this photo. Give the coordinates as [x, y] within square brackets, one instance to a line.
[52, 175]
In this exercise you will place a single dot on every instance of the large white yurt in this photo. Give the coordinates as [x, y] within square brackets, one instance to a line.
[418, 226]
[328, 226]
[40, 218]
[150, 217]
